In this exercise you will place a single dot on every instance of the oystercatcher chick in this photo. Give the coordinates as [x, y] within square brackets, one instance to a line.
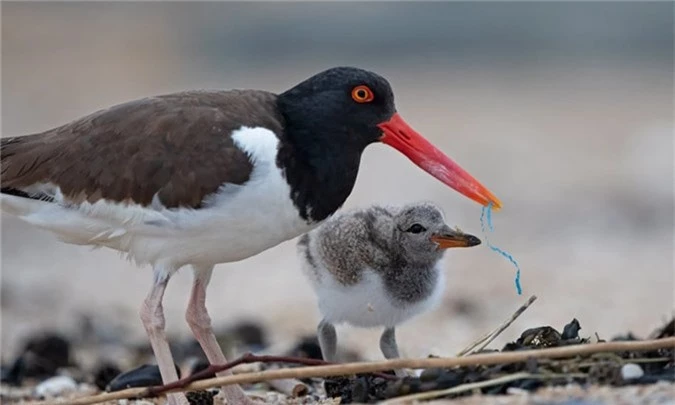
[200, 178]
[377, 267]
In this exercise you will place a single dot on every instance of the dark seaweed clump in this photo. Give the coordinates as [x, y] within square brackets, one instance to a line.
[47, 354]
[601, 368]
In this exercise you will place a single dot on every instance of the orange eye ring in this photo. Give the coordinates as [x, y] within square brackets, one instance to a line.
[362, 94]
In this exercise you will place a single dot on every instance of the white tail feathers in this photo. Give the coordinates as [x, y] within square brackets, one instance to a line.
[20, 206]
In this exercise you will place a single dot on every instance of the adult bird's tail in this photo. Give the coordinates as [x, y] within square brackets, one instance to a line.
[21, 191]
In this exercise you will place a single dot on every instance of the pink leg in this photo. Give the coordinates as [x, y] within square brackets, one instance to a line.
[200, 323]
[152, 315]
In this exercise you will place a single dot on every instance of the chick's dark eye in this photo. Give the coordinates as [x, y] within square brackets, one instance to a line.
[416, 228]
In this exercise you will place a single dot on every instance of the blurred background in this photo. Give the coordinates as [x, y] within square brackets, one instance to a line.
[564, 110]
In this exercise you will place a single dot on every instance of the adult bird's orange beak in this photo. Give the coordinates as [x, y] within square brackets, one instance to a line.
[399, 135]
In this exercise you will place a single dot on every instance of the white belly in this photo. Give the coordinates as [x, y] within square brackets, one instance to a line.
[367, 304]
[239, 221]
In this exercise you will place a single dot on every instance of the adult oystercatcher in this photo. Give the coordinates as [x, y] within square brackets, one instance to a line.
[206, 177]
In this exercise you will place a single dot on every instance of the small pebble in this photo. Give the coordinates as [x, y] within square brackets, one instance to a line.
[631, 371]
[54, 386]
[516, 391]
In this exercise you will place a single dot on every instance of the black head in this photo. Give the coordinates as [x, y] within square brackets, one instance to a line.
[342, 104]
[330, 118]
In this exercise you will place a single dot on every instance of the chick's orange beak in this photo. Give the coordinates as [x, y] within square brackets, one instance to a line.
[400, 136]
[455, 240]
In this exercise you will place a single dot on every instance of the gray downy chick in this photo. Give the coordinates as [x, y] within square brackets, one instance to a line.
[377, 267]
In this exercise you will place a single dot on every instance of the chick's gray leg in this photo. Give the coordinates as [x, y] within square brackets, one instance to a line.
[327, 340]
[388, 344]
[389, 349]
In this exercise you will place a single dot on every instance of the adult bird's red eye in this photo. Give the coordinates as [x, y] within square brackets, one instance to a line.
[362, 94]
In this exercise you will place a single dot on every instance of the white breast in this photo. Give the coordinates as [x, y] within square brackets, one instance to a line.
[367, 304]
[239, 221]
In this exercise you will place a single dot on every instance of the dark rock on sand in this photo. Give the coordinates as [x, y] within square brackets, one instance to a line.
[307, 347]
[200, 397]
[13, 375]
[196, 365]
[42, 356]
[667, 330]
[605, 373]
[250, 334]
[358, 389]
[144, 376]
[104, 374]
[547, 336]
[571, 330]
[628, 337]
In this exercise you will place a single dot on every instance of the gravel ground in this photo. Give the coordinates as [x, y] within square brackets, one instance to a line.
[660, 393]
[656, 394]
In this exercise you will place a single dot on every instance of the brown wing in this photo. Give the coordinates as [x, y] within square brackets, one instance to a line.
[178, 146]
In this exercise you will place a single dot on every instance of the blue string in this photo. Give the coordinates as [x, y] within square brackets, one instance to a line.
[487, 212]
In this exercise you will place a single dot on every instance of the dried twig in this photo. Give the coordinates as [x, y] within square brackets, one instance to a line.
[475, 343]
[246, 358]
[369, 367]
[490, 336]
[481, 384]
[508, 322]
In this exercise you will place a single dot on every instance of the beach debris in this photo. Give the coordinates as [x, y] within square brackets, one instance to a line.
[104, 374]
[616, 368]
[631, 371]
[142, 376]
[42, 356]
[55, 386]
[201, 397]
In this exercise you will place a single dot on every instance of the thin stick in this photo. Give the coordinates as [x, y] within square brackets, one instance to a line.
[481, 384]
[369, 367]
[245, 359]
[490, 336]
[475, 343]
[508, 322]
